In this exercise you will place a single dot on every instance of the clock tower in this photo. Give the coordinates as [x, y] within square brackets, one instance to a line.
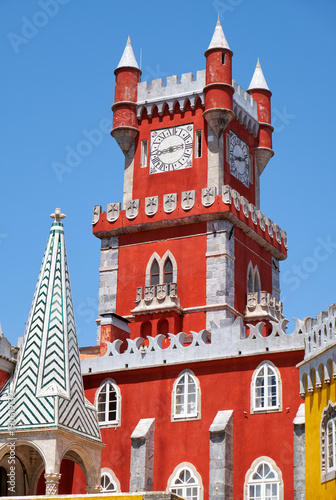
[189, 246]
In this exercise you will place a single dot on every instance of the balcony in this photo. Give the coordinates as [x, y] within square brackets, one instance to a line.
[262, 305]
[157, 298]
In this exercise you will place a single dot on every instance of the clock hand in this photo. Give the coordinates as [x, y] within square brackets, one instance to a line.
[171, 149]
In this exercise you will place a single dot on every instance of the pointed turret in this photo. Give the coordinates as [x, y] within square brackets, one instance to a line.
[218, 88]
[258, 80]
[128, 58]
[47, 389]
[260, 92]
[125, 122]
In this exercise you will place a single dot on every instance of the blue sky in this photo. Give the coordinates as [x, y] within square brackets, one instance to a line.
[58, 59]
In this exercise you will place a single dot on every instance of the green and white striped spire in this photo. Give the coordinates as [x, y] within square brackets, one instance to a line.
[47, 386]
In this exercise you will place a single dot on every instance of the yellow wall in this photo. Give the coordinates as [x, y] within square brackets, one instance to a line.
[314, 406]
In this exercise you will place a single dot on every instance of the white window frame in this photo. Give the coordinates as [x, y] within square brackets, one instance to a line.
[266, 408]
[171, 485]
[251, 482]
[113, 478]
[110, 423]
[328, 472]
[193, 415]
[144, 154]
[161, 261]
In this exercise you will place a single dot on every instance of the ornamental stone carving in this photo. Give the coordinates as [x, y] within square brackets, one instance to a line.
[236, 199]
[226, 194]
[52, 481]
[188, 199]
[263, 306]
[254, 215]
[277, 231]
[138, 294]
[151, 205]
[113, 211]
[245, 206]
[269, 224]
[169, 202]
[149, 293]
[262, 221]
[161, 291]
[96, 214]
[208, 196]
[132, 209]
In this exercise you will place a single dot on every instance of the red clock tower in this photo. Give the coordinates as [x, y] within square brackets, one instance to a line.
[207, 413]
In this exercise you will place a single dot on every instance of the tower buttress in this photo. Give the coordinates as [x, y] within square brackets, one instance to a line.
[125, 123]
[259, 91]
[218, 88]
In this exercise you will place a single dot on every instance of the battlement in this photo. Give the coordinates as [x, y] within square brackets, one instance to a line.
[319, 363]
[188, 89]
[227, 340]
[203, 205]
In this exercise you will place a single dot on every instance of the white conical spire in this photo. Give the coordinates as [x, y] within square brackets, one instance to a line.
[128, 58]
[258, 80]
[218, 40]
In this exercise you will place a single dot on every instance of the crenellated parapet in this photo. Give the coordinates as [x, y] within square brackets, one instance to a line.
[319, 364]
[189, 206]
[227, 340]
[156, 95]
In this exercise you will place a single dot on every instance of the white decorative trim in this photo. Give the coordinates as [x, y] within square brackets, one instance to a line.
[254, 467]
[113, 477]
[178, 469]
[112, 423]
[266, 409]
[196, 415]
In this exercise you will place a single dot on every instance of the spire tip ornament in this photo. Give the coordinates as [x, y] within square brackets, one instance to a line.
[57, 215]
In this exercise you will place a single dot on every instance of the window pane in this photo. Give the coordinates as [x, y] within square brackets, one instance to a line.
[155, 275]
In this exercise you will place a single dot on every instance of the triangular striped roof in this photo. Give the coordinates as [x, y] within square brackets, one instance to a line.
[46, 390]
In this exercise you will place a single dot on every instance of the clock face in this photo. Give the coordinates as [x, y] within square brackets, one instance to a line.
[171, 149]
[239, 158]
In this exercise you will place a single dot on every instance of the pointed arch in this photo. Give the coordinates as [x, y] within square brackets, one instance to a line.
[250, 278]
[108, 403]
[266, 388]
[170, 256]
[186, 397]
[153, 257]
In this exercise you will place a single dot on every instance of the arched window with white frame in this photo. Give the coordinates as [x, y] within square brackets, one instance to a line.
[266, 389]
[109, 482]
[186, 401]
[186, 482]
[263, 481]
[328, 443]
[108, 403]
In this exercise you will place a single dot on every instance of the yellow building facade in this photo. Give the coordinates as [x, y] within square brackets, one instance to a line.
[318, 388]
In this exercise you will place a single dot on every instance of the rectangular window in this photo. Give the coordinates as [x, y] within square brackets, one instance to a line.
[144, 149]
[251, 169]
[227, 145]
[223, 57]
[198, 144]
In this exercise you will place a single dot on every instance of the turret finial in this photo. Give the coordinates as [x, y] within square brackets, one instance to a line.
[258, 80]
[128, 58]
[218, 40]
[57, 215]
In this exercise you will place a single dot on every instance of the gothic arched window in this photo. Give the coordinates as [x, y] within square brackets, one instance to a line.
[168, 271]
[186, 397]
[108, 403]
[263, 482]
[186, 482]
[266, 388]
[155, 273]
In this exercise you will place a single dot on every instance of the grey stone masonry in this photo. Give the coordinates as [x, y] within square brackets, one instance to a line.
[221, 457]
[220, 266]
[299, 454]
[108, 277]
[142, 456]
[215, 161]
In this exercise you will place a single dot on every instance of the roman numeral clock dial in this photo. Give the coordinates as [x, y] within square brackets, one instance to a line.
[239, 158]
[171, 149]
